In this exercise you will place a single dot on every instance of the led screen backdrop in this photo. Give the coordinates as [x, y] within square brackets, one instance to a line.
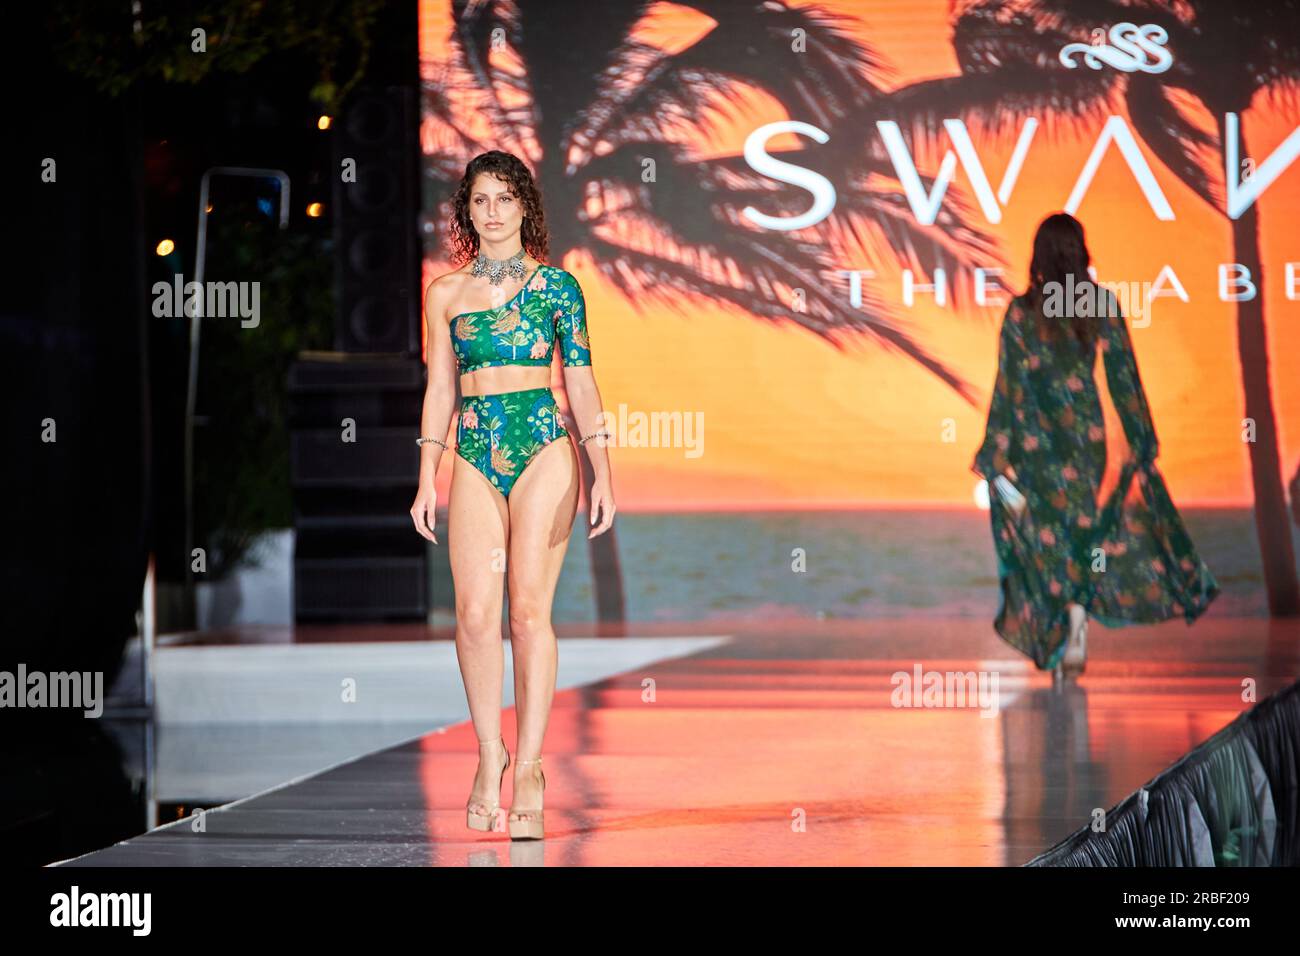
[829, 364]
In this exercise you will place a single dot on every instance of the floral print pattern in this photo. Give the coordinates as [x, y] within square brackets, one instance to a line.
[548, 308]
[1129, 559]
[501, 434]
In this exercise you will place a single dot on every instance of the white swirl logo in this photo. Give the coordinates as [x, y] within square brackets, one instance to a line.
[1131, 48]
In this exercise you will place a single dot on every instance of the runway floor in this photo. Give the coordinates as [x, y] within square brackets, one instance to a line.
[785, 747]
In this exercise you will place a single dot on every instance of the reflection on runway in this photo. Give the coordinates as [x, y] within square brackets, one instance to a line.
[782, 747]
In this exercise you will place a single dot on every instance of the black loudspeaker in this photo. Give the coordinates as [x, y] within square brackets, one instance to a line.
[376, 236]
[354, 466]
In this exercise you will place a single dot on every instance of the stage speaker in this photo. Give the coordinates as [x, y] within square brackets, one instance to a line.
[353, 467]
[376, 236]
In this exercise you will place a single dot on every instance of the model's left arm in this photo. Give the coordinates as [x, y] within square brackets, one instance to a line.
[573, 340]
[994, 455]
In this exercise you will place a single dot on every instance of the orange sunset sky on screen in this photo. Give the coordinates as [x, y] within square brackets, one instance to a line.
[789, 421]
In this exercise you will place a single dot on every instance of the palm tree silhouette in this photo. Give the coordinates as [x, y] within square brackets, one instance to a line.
[1224, 54]
[591, 109]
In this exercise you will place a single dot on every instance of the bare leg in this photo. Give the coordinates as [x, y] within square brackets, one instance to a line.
[477, 531]
[542, 506]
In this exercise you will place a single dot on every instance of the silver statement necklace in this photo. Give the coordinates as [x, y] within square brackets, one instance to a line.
[497, 269]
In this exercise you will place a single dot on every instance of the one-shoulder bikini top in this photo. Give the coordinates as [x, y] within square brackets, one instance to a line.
[523, 331]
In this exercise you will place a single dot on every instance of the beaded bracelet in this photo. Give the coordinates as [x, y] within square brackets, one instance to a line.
[421, 441]
[583, 441]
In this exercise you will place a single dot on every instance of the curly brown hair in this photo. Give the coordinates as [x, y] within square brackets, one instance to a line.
[511, 169]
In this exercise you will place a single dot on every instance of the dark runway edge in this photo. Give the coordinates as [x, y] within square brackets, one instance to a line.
[1232, 801]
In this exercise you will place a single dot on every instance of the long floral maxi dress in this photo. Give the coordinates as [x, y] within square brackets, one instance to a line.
[1128, 560]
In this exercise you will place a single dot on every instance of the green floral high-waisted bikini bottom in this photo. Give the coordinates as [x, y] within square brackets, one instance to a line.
[501, 434]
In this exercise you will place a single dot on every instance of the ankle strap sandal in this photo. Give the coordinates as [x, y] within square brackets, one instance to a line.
[530, 829]
[477, 819]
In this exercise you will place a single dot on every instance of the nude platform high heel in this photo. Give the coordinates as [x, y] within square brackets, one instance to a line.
[1073, 664]
[527, 829]
[475, 819]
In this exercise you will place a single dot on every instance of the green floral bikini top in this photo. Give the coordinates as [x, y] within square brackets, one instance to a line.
[548, 307]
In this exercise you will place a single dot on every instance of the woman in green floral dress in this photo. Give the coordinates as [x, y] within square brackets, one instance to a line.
[1062, 554]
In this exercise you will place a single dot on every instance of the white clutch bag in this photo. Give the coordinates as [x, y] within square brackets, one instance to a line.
[1008, 492]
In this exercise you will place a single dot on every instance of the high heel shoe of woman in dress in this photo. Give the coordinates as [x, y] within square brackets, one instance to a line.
[477, 819]
[1076, 652]
[531, 828]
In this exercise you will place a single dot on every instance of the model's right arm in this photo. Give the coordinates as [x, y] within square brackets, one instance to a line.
[439, 404]
[1125, 385]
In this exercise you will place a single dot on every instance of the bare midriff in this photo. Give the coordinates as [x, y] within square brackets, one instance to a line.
[505, 378]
